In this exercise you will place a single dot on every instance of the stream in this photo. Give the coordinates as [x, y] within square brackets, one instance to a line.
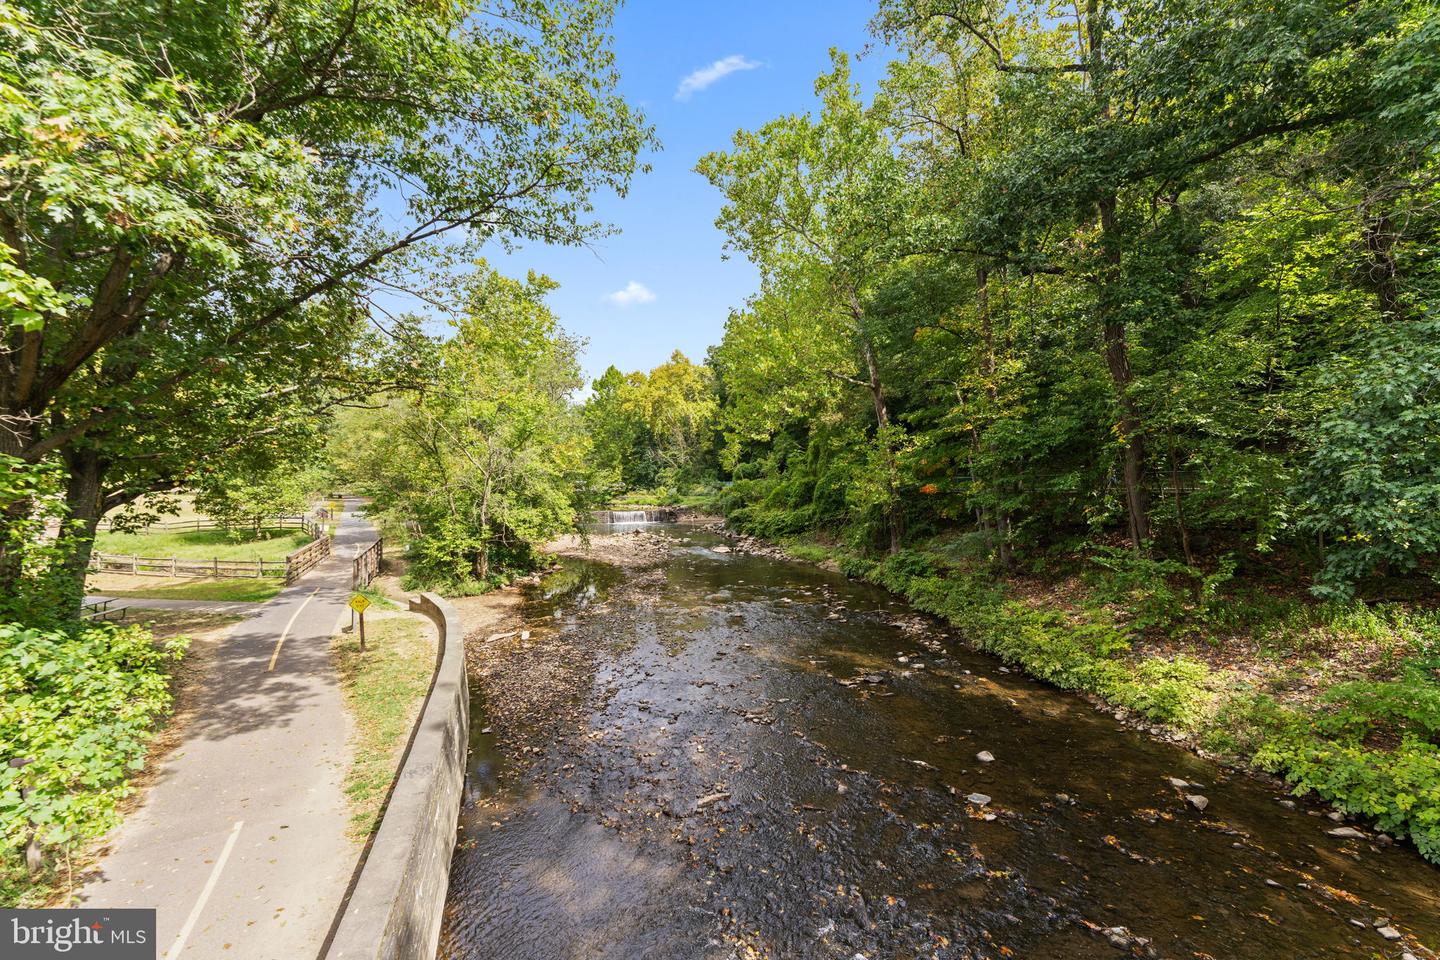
[702, 754]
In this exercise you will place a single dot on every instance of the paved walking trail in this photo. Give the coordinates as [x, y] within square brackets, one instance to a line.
[241, 841]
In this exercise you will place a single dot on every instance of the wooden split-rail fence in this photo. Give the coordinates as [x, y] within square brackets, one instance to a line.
[295, 565]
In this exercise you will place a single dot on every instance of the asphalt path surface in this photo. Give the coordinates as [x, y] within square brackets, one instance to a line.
[240, 843]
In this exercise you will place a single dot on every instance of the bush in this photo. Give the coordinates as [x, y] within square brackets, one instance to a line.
[78, 703]
[1399, 788]
[1409, 706]
[1163, 595]
[898, 570]
[1174, 692]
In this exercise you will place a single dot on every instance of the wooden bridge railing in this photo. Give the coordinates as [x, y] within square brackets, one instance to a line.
[367, 565]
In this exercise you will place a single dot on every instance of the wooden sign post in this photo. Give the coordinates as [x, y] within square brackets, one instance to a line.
[360, 603]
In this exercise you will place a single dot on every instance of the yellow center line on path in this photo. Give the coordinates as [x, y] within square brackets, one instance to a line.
[184, 935]
[286, 632]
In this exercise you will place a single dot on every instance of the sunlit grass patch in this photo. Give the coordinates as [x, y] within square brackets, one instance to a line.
[242, 590]
[239, 544]
[383, 690]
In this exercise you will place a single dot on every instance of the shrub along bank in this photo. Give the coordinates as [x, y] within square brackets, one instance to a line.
[1340, 699]
[79, 705]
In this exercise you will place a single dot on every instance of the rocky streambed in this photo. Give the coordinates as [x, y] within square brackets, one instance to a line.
[683, 750]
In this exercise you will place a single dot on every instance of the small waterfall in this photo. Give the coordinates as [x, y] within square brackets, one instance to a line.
[628, 516]
[630, 519]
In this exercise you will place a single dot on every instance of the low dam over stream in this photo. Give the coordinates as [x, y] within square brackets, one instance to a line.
[692, 752]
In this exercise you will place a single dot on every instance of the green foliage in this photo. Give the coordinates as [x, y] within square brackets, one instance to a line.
[485, 459]
[192, 221]
[1371, 746]
[1086, 279]
[239, 499]
[80, 704]
[653, 430]
[1176, 692]
[1163, 595]
[1409, 706]
[1398, 788]
[1373, 480]
[41, 589]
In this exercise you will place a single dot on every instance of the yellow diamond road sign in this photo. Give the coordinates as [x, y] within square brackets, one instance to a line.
[359, 603]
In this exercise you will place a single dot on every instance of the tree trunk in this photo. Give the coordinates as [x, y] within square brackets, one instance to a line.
[894, 515]
[84, 500]
[14, 515]
[1381, 272]
[1179, 506]
[1117, 360]
[988, 365]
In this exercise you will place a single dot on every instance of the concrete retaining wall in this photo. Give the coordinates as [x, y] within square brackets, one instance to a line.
[394, 909]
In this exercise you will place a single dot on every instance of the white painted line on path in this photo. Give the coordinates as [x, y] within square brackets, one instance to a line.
[286, 632]
[184, 934]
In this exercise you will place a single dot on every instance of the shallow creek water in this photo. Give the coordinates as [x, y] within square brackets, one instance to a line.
[711, 781]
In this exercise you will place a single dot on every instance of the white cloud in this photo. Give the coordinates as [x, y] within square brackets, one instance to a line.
[634, 292]
[705, 76]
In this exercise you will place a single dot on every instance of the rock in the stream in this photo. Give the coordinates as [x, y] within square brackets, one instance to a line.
[1346, 833]
[1121, 938]
[985, 756]
[1288, 804]
[1389, 933]
[708, 799]
[719, 549]
[979, 799]
[1198, 801]
[1177, 783]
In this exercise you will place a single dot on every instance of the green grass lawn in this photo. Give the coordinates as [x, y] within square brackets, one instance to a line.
[383, 689]
[253, 589]
[205, 544]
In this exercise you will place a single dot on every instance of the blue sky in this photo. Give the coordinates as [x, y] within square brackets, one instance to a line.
[668, 244]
